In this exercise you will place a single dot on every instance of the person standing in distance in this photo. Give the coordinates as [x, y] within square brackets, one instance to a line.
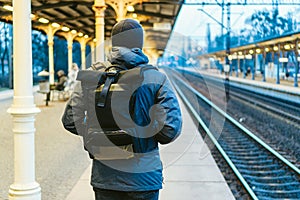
[153, 106]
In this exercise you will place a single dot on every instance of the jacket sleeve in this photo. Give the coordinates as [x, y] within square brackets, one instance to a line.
[172, 124]
[73, 118]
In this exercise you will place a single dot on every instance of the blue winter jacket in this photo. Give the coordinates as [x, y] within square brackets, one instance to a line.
[155, 108]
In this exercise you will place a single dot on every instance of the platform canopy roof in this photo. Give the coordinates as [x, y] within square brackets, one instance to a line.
[156, 16]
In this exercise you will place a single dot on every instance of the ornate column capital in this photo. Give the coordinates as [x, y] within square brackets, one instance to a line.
[99, 10]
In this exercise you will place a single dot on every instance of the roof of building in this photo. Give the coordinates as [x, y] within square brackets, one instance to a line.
[157, 16]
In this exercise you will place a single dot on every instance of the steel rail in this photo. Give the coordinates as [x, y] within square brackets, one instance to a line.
[218, 146]
[249, 133]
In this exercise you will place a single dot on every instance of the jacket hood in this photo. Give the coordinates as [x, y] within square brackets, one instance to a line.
[129, 58]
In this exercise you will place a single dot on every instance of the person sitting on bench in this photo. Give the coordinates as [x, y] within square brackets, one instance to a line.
[62, 80]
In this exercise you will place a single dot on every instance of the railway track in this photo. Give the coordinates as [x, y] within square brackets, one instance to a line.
[287, 110]
[262, 171]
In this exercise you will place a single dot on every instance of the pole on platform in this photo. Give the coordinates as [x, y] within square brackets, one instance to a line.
[253, 68]
[23, 109]
[51, 57]
[83, 42]
[297, 64]
[50, 33]
[244, 65]
[278, 63]
[70, 53]
[237, 69]
[99, 8]
[227, 61]
[92, 45]
[264, 66]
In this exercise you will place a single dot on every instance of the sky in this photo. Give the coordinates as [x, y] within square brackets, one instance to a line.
[193, 22]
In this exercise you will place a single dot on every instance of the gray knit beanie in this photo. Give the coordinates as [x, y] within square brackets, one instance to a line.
[128, 33]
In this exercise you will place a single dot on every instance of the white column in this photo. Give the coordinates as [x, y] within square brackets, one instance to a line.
[50, 30]
[82, 48]
[70, 53]
[69, 37]
[92, 45]
[121, 12]
[51, 56]
[23, 109]
[99, 8]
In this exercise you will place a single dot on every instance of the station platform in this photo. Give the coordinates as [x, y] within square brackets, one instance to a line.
[63, 167]
[285, 85]
[284, 90]
[190, 171]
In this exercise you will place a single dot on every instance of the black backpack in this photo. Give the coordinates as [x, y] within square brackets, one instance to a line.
[99, 85]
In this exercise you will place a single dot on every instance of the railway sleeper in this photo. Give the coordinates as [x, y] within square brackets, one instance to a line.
[263, 173]
[270, 179]
[255, 162]
[277, 194]
[260, 167]
[286, 186]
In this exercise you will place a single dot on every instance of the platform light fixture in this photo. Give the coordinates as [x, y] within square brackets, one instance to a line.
[130, 8]
[134, 15]
[267, 49]
[32, 16]
[94, 40]
[275, 48]
[287, 46]
[8, 7]
[64, 28]
[43, 20]
[258, 50]
[80, 34]
[251, 51]
[234, 56]
[240, 53]
[56, 25]
[86, 36]
[283, 60]
[248, 56]
[73, 31]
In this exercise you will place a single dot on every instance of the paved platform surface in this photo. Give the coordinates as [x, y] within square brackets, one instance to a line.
[59, 157]
[63, 167]
[190, 172]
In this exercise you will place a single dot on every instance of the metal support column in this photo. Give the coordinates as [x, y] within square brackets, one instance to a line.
[70, 53]
[83, 42]
[244, 65]
[253, 67]
[264, 66]
[99, 8]
[237, 69]
[70, 37]
[92, 45]
[23, 109]
[50, 33]
[297, 64]
[278, 65]
[227, 61]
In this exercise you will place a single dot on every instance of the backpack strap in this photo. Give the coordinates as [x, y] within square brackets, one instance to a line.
[110, 78]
